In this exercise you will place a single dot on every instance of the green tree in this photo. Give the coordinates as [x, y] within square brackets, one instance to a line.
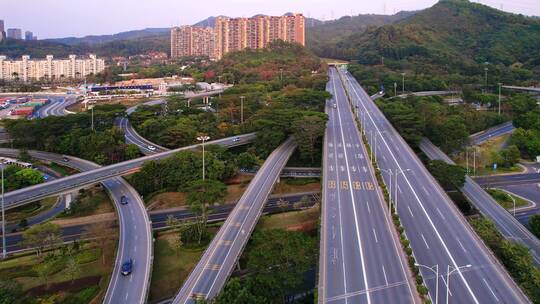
[510, 156]
[202, 194]
[132, 151]
[72, 269]
[237, 292]
[280, 258]
[534, 224]
[11, 292]
[307, 131]
[42, 235]
[29, 177]
[246, 160]
[449, 176]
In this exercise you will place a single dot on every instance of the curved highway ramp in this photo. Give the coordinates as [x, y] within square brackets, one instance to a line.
[219, 259]
[135, 232]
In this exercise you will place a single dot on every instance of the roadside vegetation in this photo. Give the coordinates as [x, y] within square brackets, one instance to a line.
[55, 273]
[73, 135]
[507, 200]
[516, 258]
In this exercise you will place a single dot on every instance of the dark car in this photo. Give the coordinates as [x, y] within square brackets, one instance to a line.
[65, 159]
[124, 200]
[127, 267]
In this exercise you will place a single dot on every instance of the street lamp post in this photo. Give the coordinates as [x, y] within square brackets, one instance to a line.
[389, 171]
[403, 83]
[448, 272]
[436, 272]
[396, 174]
[242, 109]
[395, 88]
[500, 84]
[203, 138]
[486, 78]
[92, 109]
[3, 217]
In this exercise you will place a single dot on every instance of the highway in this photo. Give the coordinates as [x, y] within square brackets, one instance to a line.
[438, 232]
[481, 137]
[158, 218]
[57, 106]
[507, 225]
[361, 259]
[219, 259]
[135, 237]
[132, 137]
[80, 180]
[427, 93]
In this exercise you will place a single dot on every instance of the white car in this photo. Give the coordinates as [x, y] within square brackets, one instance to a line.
[236, 139]
[151, 148]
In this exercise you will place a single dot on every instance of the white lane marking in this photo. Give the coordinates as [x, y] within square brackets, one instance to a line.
[384, 157]
[410, 211]
[368, 209]
[425, 190]
[440, 213]
[399, 189]
[349, 145]
[461, 245]
[330, 145]
[135, 249]
[364, 272]
[342, 168]
[384, 273]
[375, 235]
[425, 242]
[127, 293]
[353, 168]
[491, 290]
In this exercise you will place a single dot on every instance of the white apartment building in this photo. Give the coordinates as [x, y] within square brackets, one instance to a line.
[27, 69]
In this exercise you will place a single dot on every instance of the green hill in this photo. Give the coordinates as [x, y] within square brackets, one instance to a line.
[454, 34]
[322, 37]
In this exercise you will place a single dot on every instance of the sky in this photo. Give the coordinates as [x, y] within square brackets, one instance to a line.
[66, 18]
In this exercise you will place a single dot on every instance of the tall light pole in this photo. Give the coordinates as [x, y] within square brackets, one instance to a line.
[395, 88]
[396, 174]
[389, 171]
[448, 272]
[281, 76]
[92, 109]
[500, 84]
[486, 78]
[203, 138]
[242, 109]
[436, 272]
[403, 83]
[3, 217]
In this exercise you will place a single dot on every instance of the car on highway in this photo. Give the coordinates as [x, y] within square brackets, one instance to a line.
[127, 267]
[151, 148]
[124, 200]
[335, 106]
[236, 139]
[65, 158]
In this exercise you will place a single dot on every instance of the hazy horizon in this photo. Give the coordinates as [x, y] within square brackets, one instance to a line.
[110, 17]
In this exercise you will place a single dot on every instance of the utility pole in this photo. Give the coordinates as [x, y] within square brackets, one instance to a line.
[281, 76]
[500, 84]
[486, 78]
[203, 138]
[403, 83]
[474, 161]
[3, 217]
[242, 109]
[395, 88]
[92, 109]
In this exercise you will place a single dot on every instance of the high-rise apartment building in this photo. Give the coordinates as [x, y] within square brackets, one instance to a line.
[14, 33]
[49, 68]
[28, 35]
[2, 30]
[234, 34]
[192, 41]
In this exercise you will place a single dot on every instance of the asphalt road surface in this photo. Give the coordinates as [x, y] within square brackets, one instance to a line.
[438, 232]
[80, 180]
[159, 218]
[132, 137]
[481, 137]
[361, 258]
[219, 259]
[507, 225]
